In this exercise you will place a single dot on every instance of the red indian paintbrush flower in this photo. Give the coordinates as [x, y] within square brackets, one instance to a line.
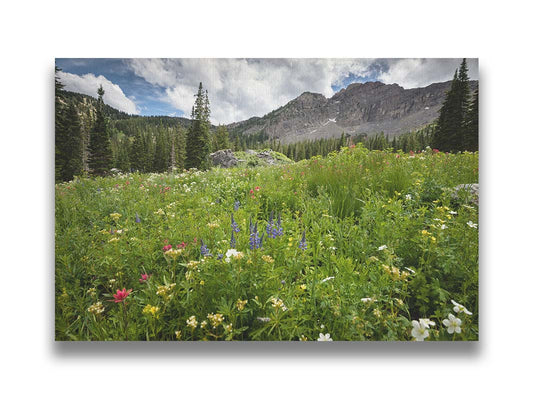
[121, 295]
[144, 278]
[167, 247]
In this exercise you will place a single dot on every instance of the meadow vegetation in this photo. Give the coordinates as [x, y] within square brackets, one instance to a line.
[359, 245]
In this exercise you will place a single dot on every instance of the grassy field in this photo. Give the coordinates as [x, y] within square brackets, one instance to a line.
[357, 246]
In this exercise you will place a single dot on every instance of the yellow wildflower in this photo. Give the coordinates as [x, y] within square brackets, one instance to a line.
[241, 304]
[96, 308]
[115, 216]
[178, 335]
[267, 259]
[149, 309]
[192, 322]
[215, 319]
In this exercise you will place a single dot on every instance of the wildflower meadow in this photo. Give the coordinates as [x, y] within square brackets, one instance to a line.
[359, 245]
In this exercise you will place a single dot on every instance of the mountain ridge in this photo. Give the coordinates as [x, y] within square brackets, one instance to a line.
[360, 108]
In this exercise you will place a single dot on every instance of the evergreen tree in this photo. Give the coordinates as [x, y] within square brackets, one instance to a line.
[450, 130]
[68, 139]
[100, 154]
[221, 139]
[198, 136]
[471, 128]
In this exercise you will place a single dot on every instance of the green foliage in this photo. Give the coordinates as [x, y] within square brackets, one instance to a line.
[100, 154]
[198, 143]
[402, 252]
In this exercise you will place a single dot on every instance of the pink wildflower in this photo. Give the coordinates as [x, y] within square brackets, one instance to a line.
[121, 295]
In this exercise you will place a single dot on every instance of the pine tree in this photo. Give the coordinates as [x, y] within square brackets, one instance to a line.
[450, 130]
[471, 126]
[100, 154]
[68, 140]
[198, 136]
[221, 139]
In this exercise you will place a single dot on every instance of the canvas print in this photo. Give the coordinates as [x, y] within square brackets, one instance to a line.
[266, 199]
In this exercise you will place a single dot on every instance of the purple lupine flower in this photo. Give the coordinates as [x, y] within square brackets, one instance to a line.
[254, 239]
[270, 226]
[204, 250]
[236, 205]
[278, 231]
[303, 245]
[260, 242]
[137, 218]
[220, 256]
[232, 242]
[234, 225]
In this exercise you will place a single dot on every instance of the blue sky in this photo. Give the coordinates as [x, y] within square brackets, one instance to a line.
[238, 88]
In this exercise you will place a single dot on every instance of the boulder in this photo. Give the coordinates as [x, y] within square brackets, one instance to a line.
[468, 192]
[223, 158]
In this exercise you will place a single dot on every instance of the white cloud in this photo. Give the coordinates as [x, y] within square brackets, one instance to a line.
[89, 84]
[243, 88]
[419, 72]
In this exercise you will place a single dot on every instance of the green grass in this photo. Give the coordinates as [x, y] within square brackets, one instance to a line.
[350, 204]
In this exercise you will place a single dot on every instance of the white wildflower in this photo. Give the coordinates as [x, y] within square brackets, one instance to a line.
[380, 248]
[327, 279]
[471, 224]
[459, 308]
[324, 338]
[453, 324]
[419, 331]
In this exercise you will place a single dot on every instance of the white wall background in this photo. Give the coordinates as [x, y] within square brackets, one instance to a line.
[33, 33]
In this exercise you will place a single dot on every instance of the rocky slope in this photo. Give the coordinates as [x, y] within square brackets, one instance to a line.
[360, 108]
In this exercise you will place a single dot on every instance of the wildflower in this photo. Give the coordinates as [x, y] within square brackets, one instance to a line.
[192, 322]
[234, 225]
[324, 338]
[377, 313]
[459, 308]
[443, 226]
[233, 253]
[203, 324]
[303, 245]
[232, 242]
[367, 300]
[204, 250]
[381, 248]
[270, 229]
[165, 291]
[193, 264]
[228, 328]
[167, 248]
[236, 205]
[410, 270]
[213, 225]
[267, 259]
[215, 319]
[144, 278]
[424, 232]
[114, 239]
[419, 331]
[303, 286]
[278, 230]
[241, 304]
[278, 303]
[137, 218]
[426, 322]
[178, 335]
[173, 253]
[471, 224]
[303, 338]
[220, 256]
[453, 213]
[159, 212]
[96, 308]
[327, 279]
[92, 292]
[115, 216]
[453, 324]
[254, 237]
[263, 319]
[121, 295]
[149, 309]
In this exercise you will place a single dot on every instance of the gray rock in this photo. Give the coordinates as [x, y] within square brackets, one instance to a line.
[468, 192]
[223, 158]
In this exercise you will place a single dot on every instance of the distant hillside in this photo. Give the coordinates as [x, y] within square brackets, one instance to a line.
[361, 108]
